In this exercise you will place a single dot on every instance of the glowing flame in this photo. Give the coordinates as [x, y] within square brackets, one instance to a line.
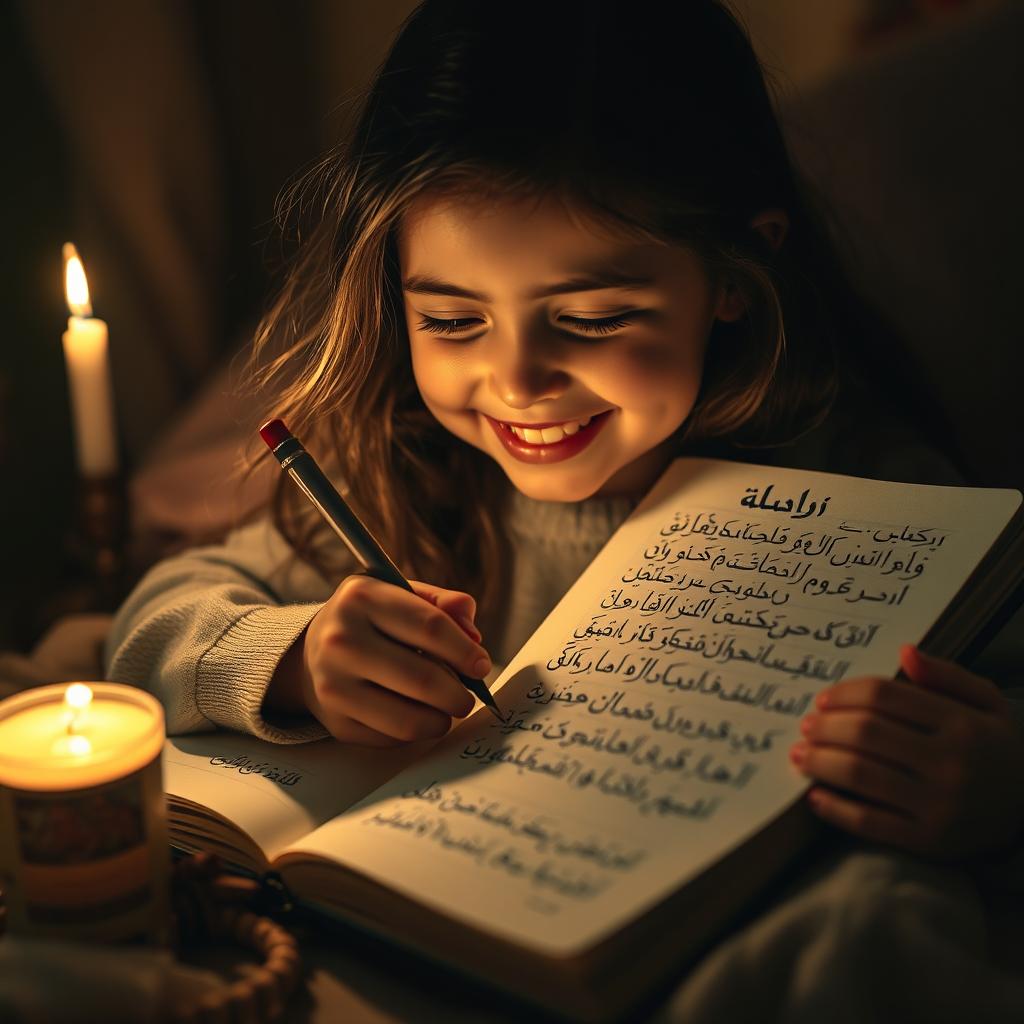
[76, 288]
[77, 698]
[73, 745]
[79, 746]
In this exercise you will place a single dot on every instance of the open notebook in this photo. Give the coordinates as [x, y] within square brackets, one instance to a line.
[638, 792]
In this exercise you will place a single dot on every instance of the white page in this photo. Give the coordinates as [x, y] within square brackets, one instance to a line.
[650, 716]
[276, 793]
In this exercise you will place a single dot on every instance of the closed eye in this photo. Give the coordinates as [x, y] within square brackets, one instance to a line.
[588, 325]
[600, 325]
[456, 326]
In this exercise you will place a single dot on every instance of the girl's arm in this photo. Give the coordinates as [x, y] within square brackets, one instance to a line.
[245, 636]
[933, 765]
[205, 630]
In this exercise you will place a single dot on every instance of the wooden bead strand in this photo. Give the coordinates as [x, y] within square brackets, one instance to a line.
[259, 997]
[211, 904]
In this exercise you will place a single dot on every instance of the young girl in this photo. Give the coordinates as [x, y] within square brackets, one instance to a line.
[564, 246]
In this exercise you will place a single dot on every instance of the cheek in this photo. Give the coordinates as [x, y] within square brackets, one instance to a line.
[653, 378]
[442, 373]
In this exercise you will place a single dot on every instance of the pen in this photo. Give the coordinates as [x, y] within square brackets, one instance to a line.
[302, 468]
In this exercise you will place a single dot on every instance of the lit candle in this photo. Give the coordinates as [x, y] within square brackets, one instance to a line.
[83, 830]
[85, 354]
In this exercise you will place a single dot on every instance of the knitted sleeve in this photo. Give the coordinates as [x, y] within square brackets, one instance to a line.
[205, 630]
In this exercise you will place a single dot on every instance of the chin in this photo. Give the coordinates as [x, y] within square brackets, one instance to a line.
[554, 486]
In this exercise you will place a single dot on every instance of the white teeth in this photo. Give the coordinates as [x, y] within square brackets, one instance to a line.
[549, 435]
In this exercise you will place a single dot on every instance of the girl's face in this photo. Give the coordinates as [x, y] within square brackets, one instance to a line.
[566, 354]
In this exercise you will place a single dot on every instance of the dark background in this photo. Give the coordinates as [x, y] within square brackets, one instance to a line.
[157, 135]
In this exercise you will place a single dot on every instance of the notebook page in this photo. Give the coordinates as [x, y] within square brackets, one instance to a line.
[647, 722]
[276, 793]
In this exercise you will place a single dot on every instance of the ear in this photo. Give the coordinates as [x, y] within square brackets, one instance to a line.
[729, 305]
[772, 226]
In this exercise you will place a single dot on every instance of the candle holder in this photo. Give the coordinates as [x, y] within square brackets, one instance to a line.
[97, 565]
[83, 821]
[99, 540]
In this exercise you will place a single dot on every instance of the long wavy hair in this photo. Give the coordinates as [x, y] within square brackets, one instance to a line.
[650, 118]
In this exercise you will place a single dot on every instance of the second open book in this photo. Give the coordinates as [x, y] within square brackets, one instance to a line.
[639, 786]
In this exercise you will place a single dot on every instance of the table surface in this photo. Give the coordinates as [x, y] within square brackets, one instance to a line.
[352, 977]
[362, 981]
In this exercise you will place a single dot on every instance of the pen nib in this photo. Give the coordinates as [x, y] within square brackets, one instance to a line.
[479, 689]
[492, 705]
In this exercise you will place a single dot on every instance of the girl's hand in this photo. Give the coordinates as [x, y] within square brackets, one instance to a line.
[369, 664]
[934, 765]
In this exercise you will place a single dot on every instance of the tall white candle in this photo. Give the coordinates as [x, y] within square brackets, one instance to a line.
[86, 357]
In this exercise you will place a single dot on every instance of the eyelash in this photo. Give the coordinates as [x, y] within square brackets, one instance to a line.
[602, 325]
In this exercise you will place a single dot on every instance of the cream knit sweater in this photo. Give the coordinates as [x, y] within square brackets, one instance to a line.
[205, 630]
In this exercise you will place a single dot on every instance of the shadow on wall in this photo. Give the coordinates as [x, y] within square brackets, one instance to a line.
[910, 146]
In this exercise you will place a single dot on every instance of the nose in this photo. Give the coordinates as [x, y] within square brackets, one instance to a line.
[526, 368]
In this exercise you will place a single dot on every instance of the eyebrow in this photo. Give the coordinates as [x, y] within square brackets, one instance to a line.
[427, 284]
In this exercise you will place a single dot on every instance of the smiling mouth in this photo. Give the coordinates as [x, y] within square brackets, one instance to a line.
[548, 442]
[547, 433]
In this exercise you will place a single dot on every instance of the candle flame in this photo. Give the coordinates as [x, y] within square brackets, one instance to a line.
[77, 698]
[74, 745]
[79, 745]
[76, 288]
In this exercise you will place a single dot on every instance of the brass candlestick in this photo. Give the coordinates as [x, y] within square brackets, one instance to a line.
[95, 573]
[101, 537]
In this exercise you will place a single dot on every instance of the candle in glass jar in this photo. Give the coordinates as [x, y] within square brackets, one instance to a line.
[87, 361]
[83, 832]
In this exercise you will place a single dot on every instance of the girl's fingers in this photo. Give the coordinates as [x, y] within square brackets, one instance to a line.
[949, 678]
[459, 605]
[877, 824]
[348, 730]
[387, 712]
[393, 667]
[880, 737]
[896, 698]
[417, 623]
[861, 776]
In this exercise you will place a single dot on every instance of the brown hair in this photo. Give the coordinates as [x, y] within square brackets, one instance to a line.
[673, 139]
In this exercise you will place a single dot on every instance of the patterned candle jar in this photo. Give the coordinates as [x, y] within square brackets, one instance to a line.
[83, 823]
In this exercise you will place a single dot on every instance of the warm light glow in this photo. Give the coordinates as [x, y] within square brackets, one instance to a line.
[76, 288]
[77, 696]
[71, 745]
[79, 746]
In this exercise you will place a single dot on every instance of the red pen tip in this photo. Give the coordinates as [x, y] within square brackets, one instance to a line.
[274, 432]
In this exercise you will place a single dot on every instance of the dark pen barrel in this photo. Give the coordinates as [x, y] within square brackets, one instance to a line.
[303, 469]
[333, 508]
